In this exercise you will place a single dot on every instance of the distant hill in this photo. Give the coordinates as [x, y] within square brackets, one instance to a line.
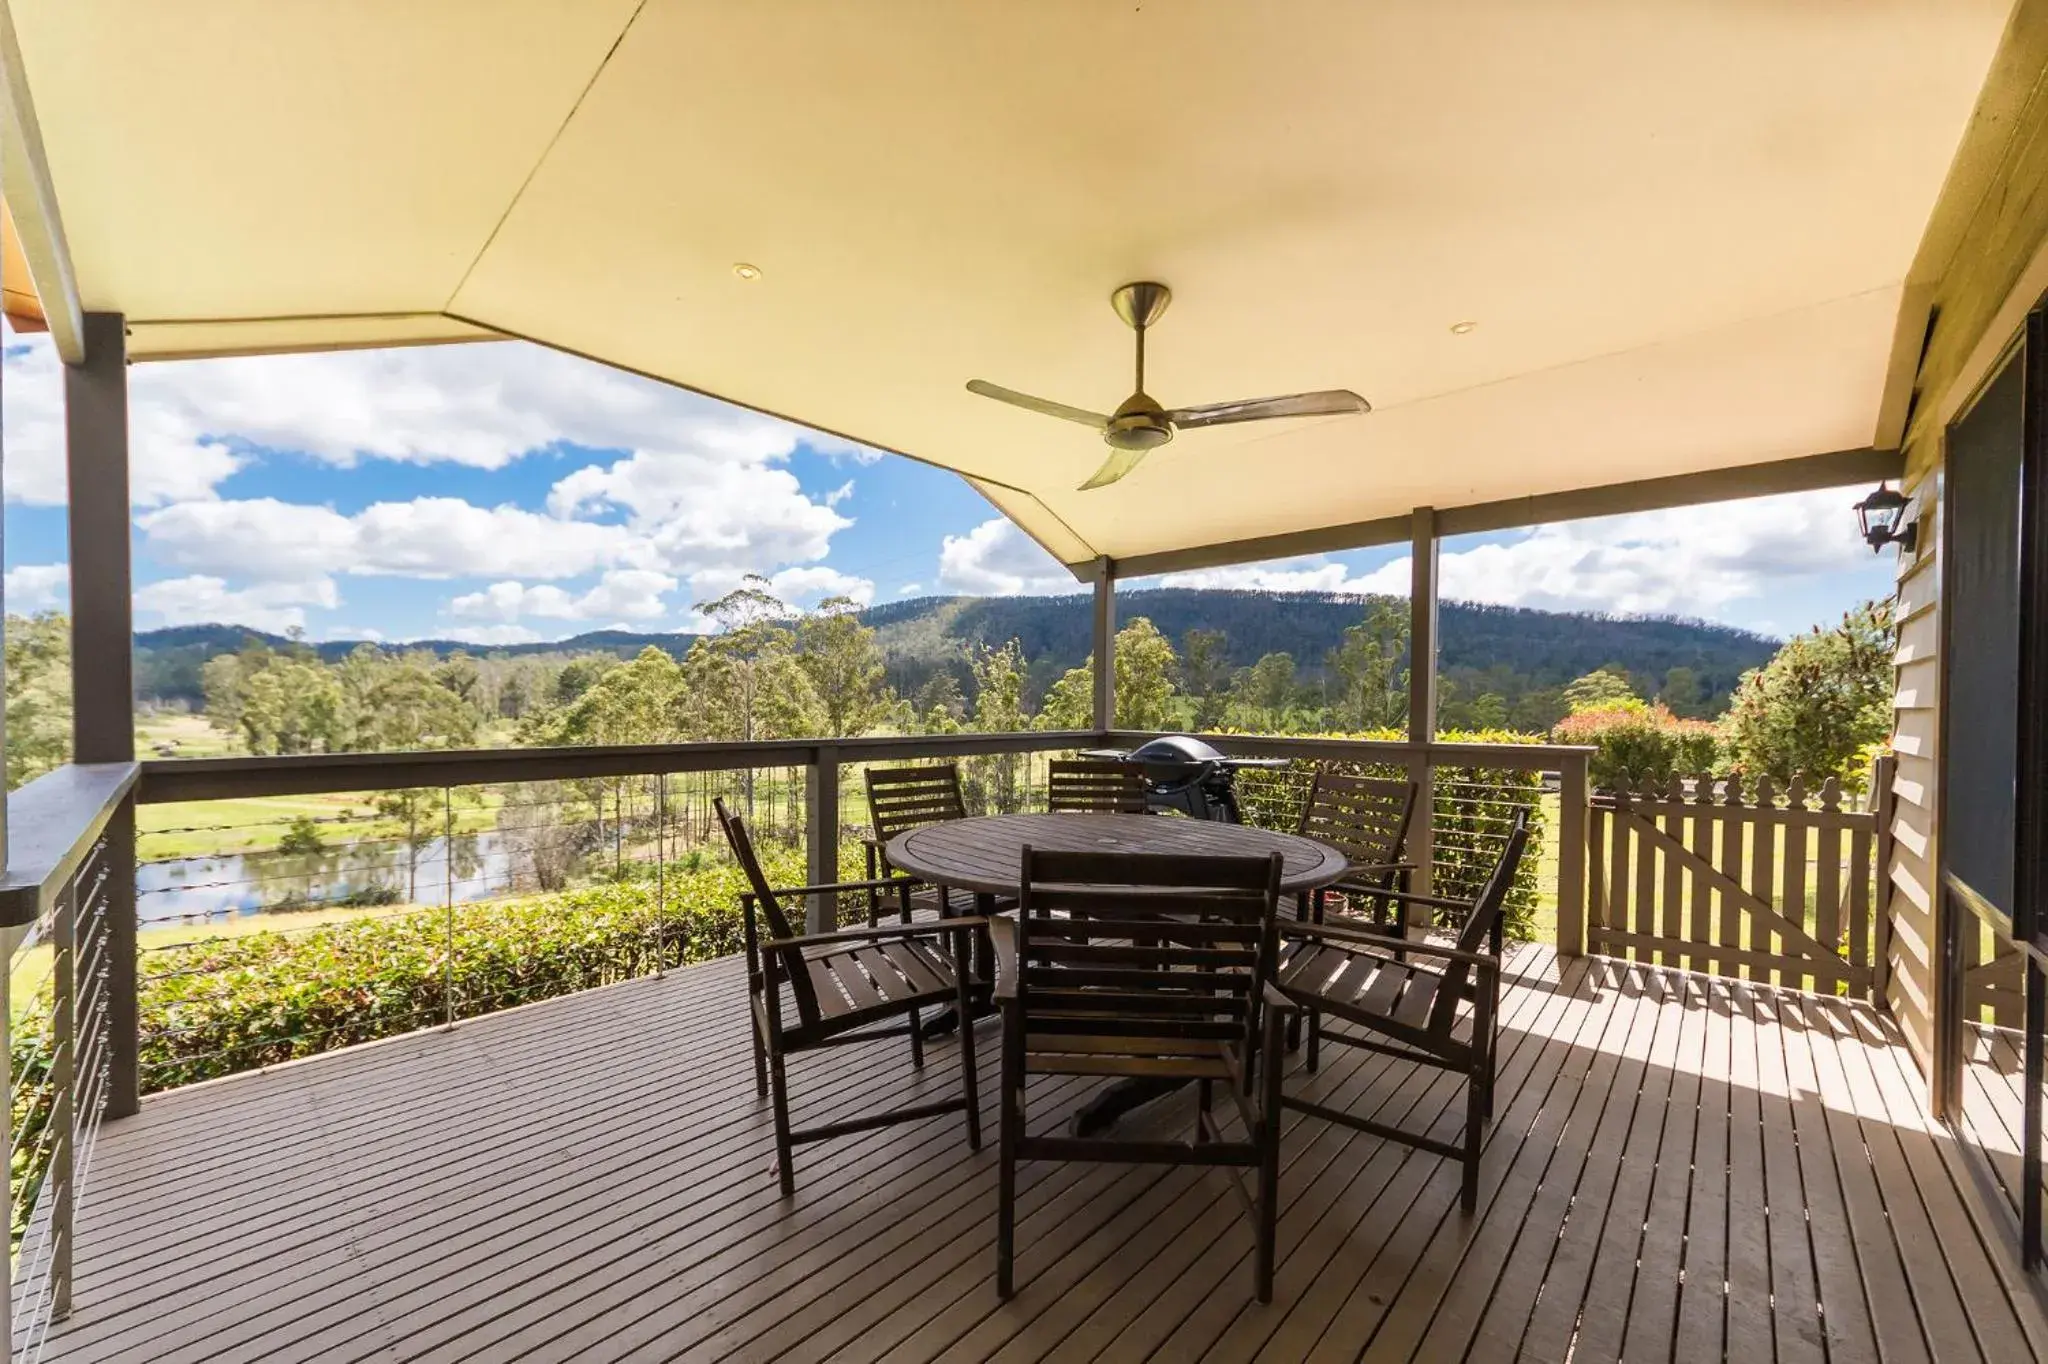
[924, 635]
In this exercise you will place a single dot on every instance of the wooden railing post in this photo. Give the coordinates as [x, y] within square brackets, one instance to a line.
[821, 833]
[1573, 798]
[1884, 807]
[1422, 828]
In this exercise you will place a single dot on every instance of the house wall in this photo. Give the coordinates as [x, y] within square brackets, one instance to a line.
[1981, 267]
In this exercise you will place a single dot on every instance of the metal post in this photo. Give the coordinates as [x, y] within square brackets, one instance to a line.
[660, 872]
[1104, 652]
[1422, 651]
[821, 833]
[448, 901]
[103, 650]
[1572, 800]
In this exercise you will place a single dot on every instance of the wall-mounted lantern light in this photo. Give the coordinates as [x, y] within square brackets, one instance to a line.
[1882, 515]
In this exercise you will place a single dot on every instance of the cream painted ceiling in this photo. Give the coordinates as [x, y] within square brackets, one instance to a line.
[1681, 227]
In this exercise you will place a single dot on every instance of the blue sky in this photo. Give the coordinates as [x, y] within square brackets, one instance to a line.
[503, 492]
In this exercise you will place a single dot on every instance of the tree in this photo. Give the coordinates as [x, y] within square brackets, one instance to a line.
[1263, 695]
[1819, 707]
[844, 664]
[1681, 693]
[38, 695]
[940, 708]
[1145, 668]
[1205, 675]
[578, 674]
[994, 780]
[1369, 687]
[1599, 689]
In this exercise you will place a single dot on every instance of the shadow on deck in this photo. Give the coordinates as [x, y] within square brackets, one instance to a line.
[1680, 1169]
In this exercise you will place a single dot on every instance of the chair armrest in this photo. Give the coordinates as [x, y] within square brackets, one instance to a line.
[881, 883]
[1411, 898]
[924, 928]
[1379, 866]
[1002, 934]
[1381, 942]
[1275, 999]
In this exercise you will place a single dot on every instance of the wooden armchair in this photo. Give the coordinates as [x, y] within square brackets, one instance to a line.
[1158, 970]
[1094, 786]
[1366, 819]
[901, 799]
[1440, 1015]
[845, 987]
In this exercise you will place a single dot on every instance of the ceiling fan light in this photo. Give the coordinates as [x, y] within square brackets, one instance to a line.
[1138, 436]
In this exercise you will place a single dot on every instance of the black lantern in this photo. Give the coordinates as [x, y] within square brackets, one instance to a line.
[1882, 515]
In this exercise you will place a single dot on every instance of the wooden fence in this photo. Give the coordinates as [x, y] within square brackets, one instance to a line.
[1765, 886]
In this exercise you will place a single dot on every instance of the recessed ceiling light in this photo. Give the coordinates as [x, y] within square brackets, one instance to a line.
[1460, 328]
[746, 271]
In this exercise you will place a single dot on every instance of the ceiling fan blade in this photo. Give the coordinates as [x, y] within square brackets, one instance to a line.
[1043, 406]
[1119, 463]
[1330, 402]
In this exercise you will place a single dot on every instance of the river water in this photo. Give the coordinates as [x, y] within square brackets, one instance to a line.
[198, 889]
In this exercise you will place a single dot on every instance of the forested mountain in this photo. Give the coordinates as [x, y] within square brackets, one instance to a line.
[1521, 656]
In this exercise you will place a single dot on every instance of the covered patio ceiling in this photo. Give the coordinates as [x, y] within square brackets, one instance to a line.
[1689, 233]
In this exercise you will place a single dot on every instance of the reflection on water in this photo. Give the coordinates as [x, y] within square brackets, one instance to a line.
[195, 889]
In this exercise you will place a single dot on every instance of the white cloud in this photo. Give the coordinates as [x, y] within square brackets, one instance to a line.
[38, 587]
[803, 585]
[351, 632]
[173, 457]
[201, 600]
[428, 537]
[1294, 575]
[629, 594]
[490, 634]
[909, 589]
[996, 559]
[839, 494]
[1691, 561]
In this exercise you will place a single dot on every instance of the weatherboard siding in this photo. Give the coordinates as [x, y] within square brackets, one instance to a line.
[1909, 989]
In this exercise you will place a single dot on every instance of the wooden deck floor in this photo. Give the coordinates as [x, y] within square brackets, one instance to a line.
[1680, 1170]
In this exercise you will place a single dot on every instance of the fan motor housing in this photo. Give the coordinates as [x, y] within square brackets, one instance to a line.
[1140, 424]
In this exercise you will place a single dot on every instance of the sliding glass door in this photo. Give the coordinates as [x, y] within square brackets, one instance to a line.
[1993, 774]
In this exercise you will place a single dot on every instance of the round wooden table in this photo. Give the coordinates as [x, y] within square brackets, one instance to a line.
[986, 856]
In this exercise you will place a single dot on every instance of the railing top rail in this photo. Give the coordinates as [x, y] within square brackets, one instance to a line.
[52, 823]
[1526, 757]
[174, 779]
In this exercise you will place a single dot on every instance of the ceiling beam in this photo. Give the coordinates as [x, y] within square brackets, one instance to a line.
[1834, 469]
[25, 184]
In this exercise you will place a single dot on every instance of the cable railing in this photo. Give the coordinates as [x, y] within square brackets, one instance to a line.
[394, 893]
[59, 907]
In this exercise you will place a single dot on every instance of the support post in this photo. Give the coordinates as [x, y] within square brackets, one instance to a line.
[103, 650]
[821, 835]
[1422, 617]
[1573, 796]
[1104, 653]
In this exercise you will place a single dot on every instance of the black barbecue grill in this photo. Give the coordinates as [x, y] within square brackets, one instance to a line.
[1186, 775]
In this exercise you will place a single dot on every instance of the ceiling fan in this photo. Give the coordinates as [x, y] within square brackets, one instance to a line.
[1140, 425]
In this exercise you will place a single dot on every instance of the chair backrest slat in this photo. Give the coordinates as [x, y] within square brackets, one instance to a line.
[904, 798]
[1094, 786]
[1365, 818]
[1152, 947]
[1482, 925]
[790, 960]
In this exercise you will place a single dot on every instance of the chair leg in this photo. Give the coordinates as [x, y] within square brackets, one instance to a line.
[760, 1064]
[1475, 1129]
[1315, 1040]
[785, 1149]
[970, 1082]
[916, 1042]
[1010, 1124]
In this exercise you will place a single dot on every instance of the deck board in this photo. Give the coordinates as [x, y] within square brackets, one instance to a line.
[1679, 1165]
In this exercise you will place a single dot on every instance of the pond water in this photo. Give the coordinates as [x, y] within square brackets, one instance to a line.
[198, 889]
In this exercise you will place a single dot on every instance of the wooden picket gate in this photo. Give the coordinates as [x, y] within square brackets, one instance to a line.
[1767, 887]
